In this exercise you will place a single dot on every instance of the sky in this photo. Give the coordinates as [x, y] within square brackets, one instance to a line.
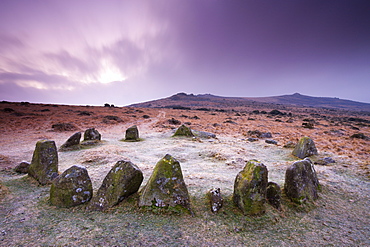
[90, 52]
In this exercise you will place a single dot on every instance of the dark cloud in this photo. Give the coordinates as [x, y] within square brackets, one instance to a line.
[232, 48]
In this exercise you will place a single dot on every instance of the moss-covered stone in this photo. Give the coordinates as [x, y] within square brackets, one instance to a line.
[183, 130]
[92, 134]
[250, 188]
[273, 195]
[301, 183]
[73, 143]
[73, 187]
[132, 134]
[166, 186]
[122, 180]
[305, 148]
[44, 165]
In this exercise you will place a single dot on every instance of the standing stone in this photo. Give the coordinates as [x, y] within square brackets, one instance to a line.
[44, 165]
[183, 130]
[92, 134]
[72, 188]
[273, 195]
[305, 148]
[215, 199]
[166, 186]
[301, 183]
[250, 188]
[73, 142]
[123, 180]
[132, 134]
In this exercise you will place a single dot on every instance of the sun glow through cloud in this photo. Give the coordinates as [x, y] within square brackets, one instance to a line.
[109, 73]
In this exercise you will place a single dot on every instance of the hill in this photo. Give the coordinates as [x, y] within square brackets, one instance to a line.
[191, 101]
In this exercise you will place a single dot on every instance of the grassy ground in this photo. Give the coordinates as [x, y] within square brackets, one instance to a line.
[338, 218]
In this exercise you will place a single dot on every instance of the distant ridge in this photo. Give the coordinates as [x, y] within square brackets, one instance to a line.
[191, 101]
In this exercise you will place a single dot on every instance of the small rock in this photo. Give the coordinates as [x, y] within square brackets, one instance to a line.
[203, 134]
[22, 167]
[251, 139]
[132, 134]
[250, 188]
[73, 187]
[305, 148]
[269, 141]
[360, 136]
[174, 121]
[325, 161]
[44, 165]
[308, 125]
[273, 195]
[301, 183]
[215, 199]
[92, 134]
[183, 130]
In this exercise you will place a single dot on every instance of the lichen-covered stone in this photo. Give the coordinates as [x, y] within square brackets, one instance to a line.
[183, 130]
[250, 188]
[166, 186]
[73, 187]
[305, 148]
[92, 134]
[72, 143]
[301, 183]
[122, 180]
[273, 195]
[22, 167]
[132, 134]
[215, 199]
[44, 165]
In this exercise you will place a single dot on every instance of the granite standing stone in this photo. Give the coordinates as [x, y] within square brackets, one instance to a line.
[250, 188]
[166, 186]
[301, 183]
[44, 165]
[123, 180]
[73, 187]
[132, 134]
[305, 148]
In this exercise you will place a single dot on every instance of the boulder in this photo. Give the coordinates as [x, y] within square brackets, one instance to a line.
[305, 148]
[183, 130]
[270, 141]
[132, 134]
[301, 183]
[73, 187]
[325, 161]
[166, 187]
[123, 180]
[203, 134]
[22, 167]
[273, 195]
[250, 188]
[44, 165]
[215, 199]
[92, 134]
[72, 143]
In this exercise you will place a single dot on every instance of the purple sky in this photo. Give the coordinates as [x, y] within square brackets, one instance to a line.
[123, 52]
